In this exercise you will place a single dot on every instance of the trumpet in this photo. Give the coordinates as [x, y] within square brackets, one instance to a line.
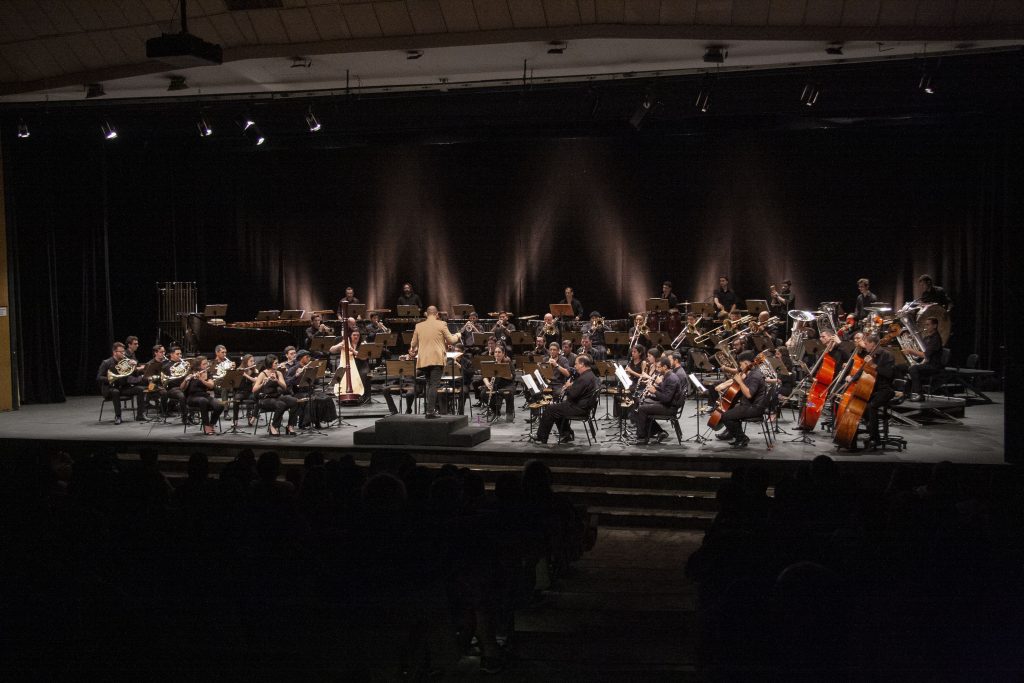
[469, 327]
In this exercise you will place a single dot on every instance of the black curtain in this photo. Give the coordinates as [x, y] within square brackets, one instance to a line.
[500, 224]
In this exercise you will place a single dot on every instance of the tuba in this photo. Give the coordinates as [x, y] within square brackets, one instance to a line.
[124, 368]
[908, 338]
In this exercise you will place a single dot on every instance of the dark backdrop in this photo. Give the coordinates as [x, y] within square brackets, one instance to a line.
[499, 224]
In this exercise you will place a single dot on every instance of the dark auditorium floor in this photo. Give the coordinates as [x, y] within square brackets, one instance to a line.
[978, 439]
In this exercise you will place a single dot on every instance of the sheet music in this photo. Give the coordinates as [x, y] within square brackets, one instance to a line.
[540, 380]
[701, 389]
[530, 384]
[620, 372]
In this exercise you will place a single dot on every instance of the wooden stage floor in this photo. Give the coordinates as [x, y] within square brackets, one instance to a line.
[977, 437]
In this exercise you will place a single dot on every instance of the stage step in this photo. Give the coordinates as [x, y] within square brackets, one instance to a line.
[652, 518]
[629, 498]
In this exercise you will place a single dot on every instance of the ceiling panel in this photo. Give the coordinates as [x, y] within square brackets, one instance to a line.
[109, 12]
[974, 12]
[244, 24]
[109, 50]
[643, 11]
[824, 13]
[268, 26]
[530, 13]
[936, 13]
[393, 18]
[787, 12]
[62, 53]
[588, 11]
[493, 14]
[678, 12]
[299, 26]
[459, 15]
[897, 13]
[85, 50]
[128, 40]
[227, 29]
[714, 12]
[561, 12]
[362, 21]
[15, 55]
[41, 59]
[1007, 12]
[63, 21]
[12, 26]
[34, 16]
[861, 12]
[750, 12]
[330, 22]
[163, 12]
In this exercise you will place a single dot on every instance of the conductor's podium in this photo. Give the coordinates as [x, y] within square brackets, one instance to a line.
[452, 431]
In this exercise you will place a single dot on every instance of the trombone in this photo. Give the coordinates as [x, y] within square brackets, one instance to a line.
[727, 326]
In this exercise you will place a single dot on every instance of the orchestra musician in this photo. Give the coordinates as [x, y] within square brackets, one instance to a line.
[289, 360]
[317, 328]
[885, 371]
[588, 349]
[153, 391]
[123, 386]
[725, 299]
[595, 329]
[550, 329]
[171, 386]
[539, 350]
[410, 298]
[932, 356]
[753, 400]
[931, 294]
[578, 398]
[361, 377]
[471, 327]
[663, 399]
[503, 330]
[638, 333]
[561, 368]
[131, 345]
[636, 366]
[247, 364]
[375, 327]
[349, 298]
[577, 306]
[781, 299]
[865, 298]
[666, 293]
[429, 343]
[567, 352]
[197, 388]
[270, 389]
[498, 387]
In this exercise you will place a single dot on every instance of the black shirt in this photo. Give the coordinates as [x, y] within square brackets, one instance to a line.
[758, 388]
[726, 297]
[932, 350]
[885, 369]
[583, 387]
[577, 307]
[935, 295]
[411, 300]
[673, 300]
[864, 299]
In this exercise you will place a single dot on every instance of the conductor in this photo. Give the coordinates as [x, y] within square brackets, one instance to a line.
[429, 342]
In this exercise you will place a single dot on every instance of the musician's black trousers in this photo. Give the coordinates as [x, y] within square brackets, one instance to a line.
[115, 394]
[279, 405]
[210, 408]
[557, 413]
[878, 399]
[644, 417]
[733, 418]
[918, 373]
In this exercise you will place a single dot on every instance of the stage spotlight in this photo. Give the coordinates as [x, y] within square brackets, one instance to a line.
[204, 128]
[23, 129]
[925, 84]
[810, 94]
[94, 90]
[703, 100]
[715, 54]
[642, 109]
[177, 83]
[312, 122]
[109, 132]
[253, 132]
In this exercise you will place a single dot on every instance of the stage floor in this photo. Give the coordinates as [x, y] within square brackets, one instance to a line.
[978, 439]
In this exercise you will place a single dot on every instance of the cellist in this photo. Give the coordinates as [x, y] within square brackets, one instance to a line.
[752, 400]
[885, 370]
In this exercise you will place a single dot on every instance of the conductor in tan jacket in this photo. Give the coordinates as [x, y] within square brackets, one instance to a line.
[429, 344]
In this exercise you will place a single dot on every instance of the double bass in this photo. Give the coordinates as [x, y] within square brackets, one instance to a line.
[824, 373]
[853, 404]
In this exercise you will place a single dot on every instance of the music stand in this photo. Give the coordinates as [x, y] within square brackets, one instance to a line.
[402, 369]
[480, 338]
[659, 338]
[493, 370]
[272, 314]
[292, 314]
[616, 339]
[521, 338]
[813, 347]
[215, 310]
[700, 391]
[387, 340]
[229, 384]
[407, 337]
[604, 369]
[625, 383]
[367, 352]
[699, 361]
[703, 309]
[449, 374]
[407, 311]
[755, 306]
[657, 304]
[760, 343]
[462, 311]
[561, 310]
[307, 382]
[575, 336]
[322, 345]
[356, 310]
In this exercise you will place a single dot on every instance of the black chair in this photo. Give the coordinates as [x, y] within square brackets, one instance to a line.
[886, 439]
[674, 421]
[589, 423]
[123, 399]
[767, 431]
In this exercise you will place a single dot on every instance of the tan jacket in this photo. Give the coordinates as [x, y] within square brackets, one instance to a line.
[430, 340]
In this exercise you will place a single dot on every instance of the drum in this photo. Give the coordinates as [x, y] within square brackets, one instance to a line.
[938, 312]
[655, 320]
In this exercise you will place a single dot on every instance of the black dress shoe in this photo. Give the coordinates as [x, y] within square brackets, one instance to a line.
[641, 442]
[871, 445]
[543, 441]
[725, 436]
[567, 438]
[141, 418]
[662, 437]
[432, 415]
[117, 420]
[741, 442]
[916, 398]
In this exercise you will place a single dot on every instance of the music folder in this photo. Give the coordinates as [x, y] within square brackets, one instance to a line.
[657, 304]
[292, 314]
[561, 310]
[462, 311]
[215, 310]
[270, 314]
[322, 344]
[755, 306]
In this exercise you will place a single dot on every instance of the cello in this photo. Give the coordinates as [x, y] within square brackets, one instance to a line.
[853, 404]
[824, 373]
[727, 398]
